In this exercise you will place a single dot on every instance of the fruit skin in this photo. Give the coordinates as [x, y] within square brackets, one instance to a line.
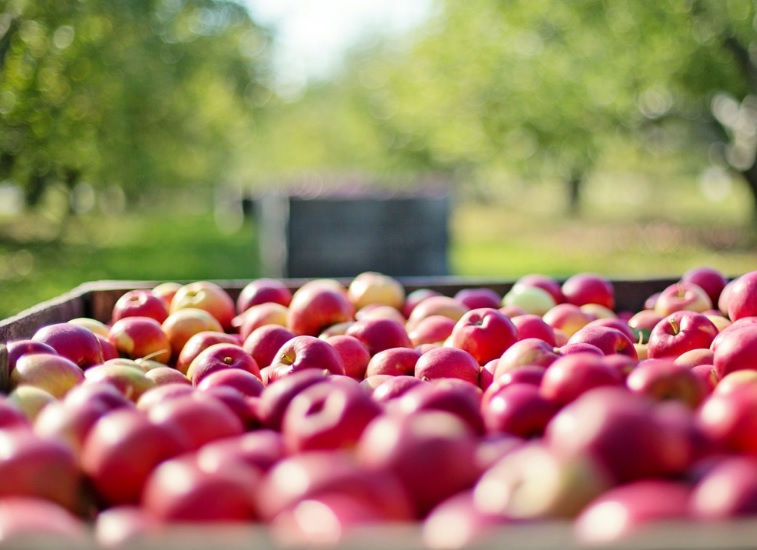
[140, 337]
[662, 379]
[711, 280]
[642, 323]
[18, 348]
[727, 490]
[735, 348]
[317, 305]
[517, 409]
[305, 352]
[380, 334]
[131, 381]
[140, 303]
[207, 296]
[475, 298]
[607, 339]
[485, 333]
[680, 332]
[531, 299]
[567, 318]
[72, 342]
[371, 287]
[261, 291]
[181, 325]
[432, 330]
[572, 375]
[544, 282]
[265, 342]
[741, 299]
[242, 381]
[50, 372]
[435, 305]
[682, 295]
[730, 418]
[447, 362]
[531, 351]
[534, 326]
[354, 354]
[25, 518]
[269, 313]
[589, 288]
[276, 397]
[199, 342]
[414, 298]
[220, 357]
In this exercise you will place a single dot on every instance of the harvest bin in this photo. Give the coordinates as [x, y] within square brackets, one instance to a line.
[96, 300]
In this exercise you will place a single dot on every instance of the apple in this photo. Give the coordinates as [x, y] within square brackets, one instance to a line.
[711, 280]
[512, 310]
[33, 466]
[18, 348]
[621, 513]
[432, 329]
[533, 326]
[708, 375]
[327, 416]
[607, 339]
[30, 400]
[269, 313]
[616, 323]
[97, 327]
[219, 357]
[582, 347]
[166, 291]
[663, 379]
[447, 362]
[742, 297]
[484, 333]
[245, 382]
[475, 298]
[181, 325]
[123, 526]
[530, 351]
[730, 418]
[72, 342]
[102, 394]
[682, 295]
[517, 409]
[131, 381]
[140, 337]
[276, 397]
[25, 519]
[370, 287]
[435, 305]
[574, 374]
[261, 291]
[680, 332]
[197, 418]
[380, 334]
[525, 374]
[160, 393]
[108, 350]
[201, 341]
[391, 386]
[486, 374]
[11, 417]
[432, 453]
[316, 306]
[264, 343]
[735, 348]
[69, 421]
[167, 375]
[379, 311]
[207, 296]
[140, 303]
[305, 352]
[355, 355]
[532, 299]
[415, 297]
[50, 372]
[544, 282]
[589, 288]
[728, 490]
[642, 323]
[567, 318]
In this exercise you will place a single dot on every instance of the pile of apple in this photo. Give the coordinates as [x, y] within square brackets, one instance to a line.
[319, 411]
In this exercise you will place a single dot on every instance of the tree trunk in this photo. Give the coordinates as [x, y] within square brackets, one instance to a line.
[574, 185]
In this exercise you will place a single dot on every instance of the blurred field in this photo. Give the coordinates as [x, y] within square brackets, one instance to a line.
[505, 239]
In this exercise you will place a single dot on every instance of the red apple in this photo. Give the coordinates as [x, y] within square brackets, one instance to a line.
[243, 381]
[567, 318]
[140, 337]
[166, 291]
[355, 355]
[680, 332]
[199, 342]
[436, 305]
[447, 362]
[484, 333]
[728, 490]
[517, 409]
[432, 329]
[682, 295]
[533, 326]
[573, 375]
[50, 372]
[207, 296]
[25, 519]
[642, 323]
[711, 280]
[261, 291]
[276, 397]
[380, 334]
[663, 379]
[392, 386]
[414, 298]
[131, 381]
[72, 342]
[181, 325]
[371, 287]
[265, 342]
[69, 421]
[475, 298]
[589, 288]
[158, 394]
[525, 374]
[305, 352]
[379, 311]
[260, 449]
[220, 357]
[269, 313]
[109, 351]
[742, 297]
[140, 303]
[531, 351]
[607, 339]
[735, 349]
[730, 418]
[11, 417]
[316, 306]
[18, 348]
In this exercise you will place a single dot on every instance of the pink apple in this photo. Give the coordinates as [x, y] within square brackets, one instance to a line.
[436, 305]
[682, 295]
[102, 394]
[525, 374]
[533, 326]
[475, 298]
[708, 375]
[72, 342]
[485, 333]
[140, 303]
[131, 381]
[573, 375]
[220, 357]
[201, 341]
[207, 296]
[616, 323]
[265, 342]
[589, 288]
[457, 522]
[166, 291]
[727, 490]
[608, 339]
[269, 313]
[371, 287]
[711, 280]
[390, 386]
[261, 291]
[11, 417]
[642, 323]
[50, 372]
[24, 519]
[260, 449]
[567, 318]
[680, 332]
[355, 355]
[162, 392]
[316, 306]
[18, 348]
[69, 421]
[380, 334]
[140, 337]
[108, 350]
[742, 297]
[663, 379]
[531, 351]
[276, 397]
[432, 329]
[181, 325]
[447, 362]
[414, 298]
[517, 409]
[305, 352]
[735, 348]
[730, 418]
[243, 381]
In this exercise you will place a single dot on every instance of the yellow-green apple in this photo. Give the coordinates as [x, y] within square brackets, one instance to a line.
[533, 326]
[261, 291]
[485, 333]
[477, 297]
[220, 496]
[447, 394]
[393, 361]
[711, 280]
[51, 372]
[545, 282]
[276, 397]
[607, 339]
[265, 342]
[97, 327]
[447, 362]
[371, 287]
[517, 409]
[567, 318]
[34, 466]
[74, 342]
[679, 332]
[730, 418]
[682, 295]
[621, 514]
[140, 337]
[24, 519]
[121, 451]
[530, 351]
[432, 453]
[742, 297]
[18, 348]
[131, 381]
[207, 296]
[379, 334]
[663, 379]
[140, 302]
[240, 380]
[30, 400]
[727, 490]
[735, 348]
[390, 386]
[181, 325]
[167, 375]
[166, 291]
[355, 355]
[414, 298]
[305, 352]
[718, 319]
[598, 311]
[589, 288]
[268, 313]
[317, 305]
[436, 305]
[574, 374]
[642, 323]
[431, 330]
[532, 299]
[533, 482]
[201, 341]
[220, 357]
[328, 416]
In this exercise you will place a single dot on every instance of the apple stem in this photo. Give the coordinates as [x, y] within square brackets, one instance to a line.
[674, 326]
[155, 354]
